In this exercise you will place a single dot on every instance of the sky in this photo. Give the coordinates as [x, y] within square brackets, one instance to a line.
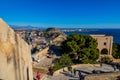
[62, 13]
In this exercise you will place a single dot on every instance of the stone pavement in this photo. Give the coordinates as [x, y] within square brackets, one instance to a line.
[46, 62]
[85, 71]
[42, 66]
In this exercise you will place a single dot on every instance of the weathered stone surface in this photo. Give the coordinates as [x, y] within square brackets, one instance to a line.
[15, 56]
[59, 39]
[105, 76]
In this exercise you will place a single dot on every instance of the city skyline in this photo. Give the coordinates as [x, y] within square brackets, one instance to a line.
[62, 13]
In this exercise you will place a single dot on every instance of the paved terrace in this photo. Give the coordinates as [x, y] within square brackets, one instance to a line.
[86, 69]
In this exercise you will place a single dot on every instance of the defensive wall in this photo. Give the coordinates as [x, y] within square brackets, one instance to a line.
[15, 55]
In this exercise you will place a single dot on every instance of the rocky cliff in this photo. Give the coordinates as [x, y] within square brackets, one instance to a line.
[15, 56]
[56, 35]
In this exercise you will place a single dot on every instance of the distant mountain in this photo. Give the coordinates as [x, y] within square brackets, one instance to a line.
[28, 27]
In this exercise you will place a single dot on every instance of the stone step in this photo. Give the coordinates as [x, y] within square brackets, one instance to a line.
[44, 77]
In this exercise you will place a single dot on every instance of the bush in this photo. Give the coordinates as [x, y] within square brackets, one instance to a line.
[65, 60]
[57, 66]
[89, 61]
[116, 51]
[62, 62]
[106, 59]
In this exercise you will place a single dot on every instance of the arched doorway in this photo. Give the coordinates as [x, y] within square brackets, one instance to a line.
[104, 51]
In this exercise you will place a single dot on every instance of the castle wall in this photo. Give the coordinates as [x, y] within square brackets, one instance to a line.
[104, 42]
[15, 55]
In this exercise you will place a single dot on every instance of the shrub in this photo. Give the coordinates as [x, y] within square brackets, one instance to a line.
[86, 61]
[116, 51]
[57, 66]
[62, 62]
[106, 59]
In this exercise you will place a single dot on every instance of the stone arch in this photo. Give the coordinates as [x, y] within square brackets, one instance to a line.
[104, 51]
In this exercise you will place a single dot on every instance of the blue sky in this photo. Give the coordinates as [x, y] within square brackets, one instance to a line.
[62, 13]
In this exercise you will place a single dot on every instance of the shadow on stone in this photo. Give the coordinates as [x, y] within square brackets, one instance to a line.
[118, 78]
[66, 74]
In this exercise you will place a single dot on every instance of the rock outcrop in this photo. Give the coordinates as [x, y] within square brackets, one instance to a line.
[57, 36]
[53, 31]
[59, 39]
[15, 55]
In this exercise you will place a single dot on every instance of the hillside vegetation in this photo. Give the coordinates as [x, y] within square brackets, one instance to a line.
[78, 49]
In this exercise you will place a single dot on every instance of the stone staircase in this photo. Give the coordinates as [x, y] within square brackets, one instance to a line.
[42, 71]
[44, 77]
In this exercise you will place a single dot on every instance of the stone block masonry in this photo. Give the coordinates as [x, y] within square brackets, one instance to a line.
[15, 55]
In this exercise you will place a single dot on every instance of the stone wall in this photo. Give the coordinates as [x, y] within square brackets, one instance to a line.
[104, 43]
[74, 67]
[15, 55]
[41, 53]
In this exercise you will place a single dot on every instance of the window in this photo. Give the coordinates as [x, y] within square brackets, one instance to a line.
[104, 43]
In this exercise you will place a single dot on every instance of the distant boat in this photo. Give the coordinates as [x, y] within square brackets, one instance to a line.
[80, 30]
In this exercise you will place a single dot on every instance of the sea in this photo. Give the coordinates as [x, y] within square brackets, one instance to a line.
[110, 32]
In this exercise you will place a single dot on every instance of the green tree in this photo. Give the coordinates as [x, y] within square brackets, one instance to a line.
[82, 47]
[74, 37]
[70, 46]
[90, 42]
[81, 41]
[116, 51]
[64, 61]
[94, 54]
